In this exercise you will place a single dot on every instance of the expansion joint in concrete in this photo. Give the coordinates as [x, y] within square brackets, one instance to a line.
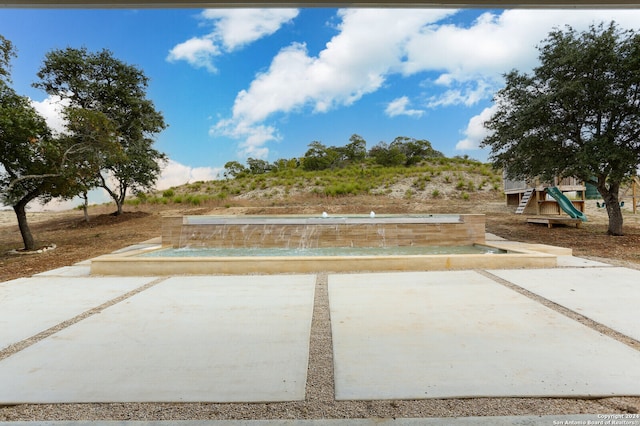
[25, 343]
[320, 383]
[588, 322]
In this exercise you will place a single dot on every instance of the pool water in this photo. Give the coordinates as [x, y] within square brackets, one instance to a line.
[322, 251]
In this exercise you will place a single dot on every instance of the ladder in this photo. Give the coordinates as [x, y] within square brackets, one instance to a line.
[524, 201]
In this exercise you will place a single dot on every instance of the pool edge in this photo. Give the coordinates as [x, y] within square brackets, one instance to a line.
[518, 256]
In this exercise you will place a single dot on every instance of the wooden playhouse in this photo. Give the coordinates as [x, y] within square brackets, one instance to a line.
[548, 201]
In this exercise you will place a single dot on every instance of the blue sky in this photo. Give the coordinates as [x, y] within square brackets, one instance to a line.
[238, 83]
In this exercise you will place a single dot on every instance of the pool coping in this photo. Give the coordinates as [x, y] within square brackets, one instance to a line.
[518, 256]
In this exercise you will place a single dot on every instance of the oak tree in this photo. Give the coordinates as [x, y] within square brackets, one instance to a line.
[101, 83]
[577, 114]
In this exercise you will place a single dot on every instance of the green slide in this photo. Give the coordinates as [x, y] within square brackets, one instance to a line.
[566, 204]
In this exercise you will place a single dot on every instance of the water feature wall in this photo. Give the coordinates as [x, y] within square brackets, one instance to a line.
[311, 232]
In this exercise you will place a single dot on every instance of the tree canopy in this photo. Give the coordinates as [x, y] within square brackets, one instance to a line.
[33, 165]
[577, 114]
[115, 92]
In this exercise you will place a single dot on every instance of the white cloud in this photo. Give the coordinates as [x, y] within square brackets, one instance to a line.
[466, 93]
[236, 28]
[175, 174]
[493, 44]
[373, 44]
[475, 131]
[253, 136]
[51, 110]
[232, 29]
[356, 62]
[199, 52]
[399, 107]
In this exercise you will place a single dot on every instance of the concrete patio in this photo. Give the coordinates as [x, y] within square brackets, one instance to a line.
[401, 335]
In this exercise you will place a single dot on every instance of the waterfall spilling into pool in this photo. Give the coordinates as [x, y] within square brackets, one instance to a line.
[305, 244]
[325, 231]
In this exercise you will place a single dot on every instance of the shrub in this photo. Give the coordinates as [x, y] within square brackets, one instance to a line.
[342, 188]
[195, 200]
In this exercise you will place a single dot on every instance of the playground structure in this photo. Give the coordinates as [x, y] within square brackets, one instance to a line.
[533, 197]
[546, 201]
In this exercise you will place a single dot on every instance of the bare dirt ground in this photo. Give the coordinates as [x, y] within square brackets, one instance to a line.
[77, 240]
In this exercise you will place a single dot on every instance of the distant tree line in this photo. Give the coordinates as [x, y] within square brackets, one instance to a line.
[403, 151]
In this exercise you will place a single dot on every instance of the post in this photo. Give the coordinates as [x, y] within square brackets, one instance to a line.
[633, 188]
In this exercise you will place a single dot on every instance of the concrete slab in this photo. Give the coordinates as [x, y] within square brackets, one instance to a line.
[218, 339]
[541, 248]
[578, 262]
[460, 334]
[609, 295]
[493, 237]
[67, 271]
[29, 306]
[141, 246]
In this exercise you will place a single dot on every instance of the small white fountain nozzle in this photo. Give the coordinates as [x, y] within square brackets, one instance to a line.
[372, 214]
[324, 214]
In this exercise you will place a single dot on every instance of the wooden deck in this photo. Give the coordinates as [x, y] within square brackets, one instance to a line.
[550, 221]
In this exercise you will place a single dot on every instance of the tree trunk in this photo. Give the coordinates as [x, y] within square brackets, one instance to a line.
[114, 197]
[121, 198]
[615, 216]
[610, 196]
[85, 206]
[21, 215]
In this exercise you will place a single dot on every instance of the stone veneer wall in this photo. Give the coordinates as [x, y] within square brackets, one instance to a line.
[245, 232]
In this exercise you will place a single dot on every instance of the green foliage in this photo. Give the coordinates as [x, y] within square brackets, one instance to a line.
[386, 155]
[348, 180]
[414, 150]
[356, 150]
[195, 200]
[258, 166]
[32, 164]
[114, 93]
[233, 169]
[344, 188]
[577, 114]
[7, 51]
[320, 157]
